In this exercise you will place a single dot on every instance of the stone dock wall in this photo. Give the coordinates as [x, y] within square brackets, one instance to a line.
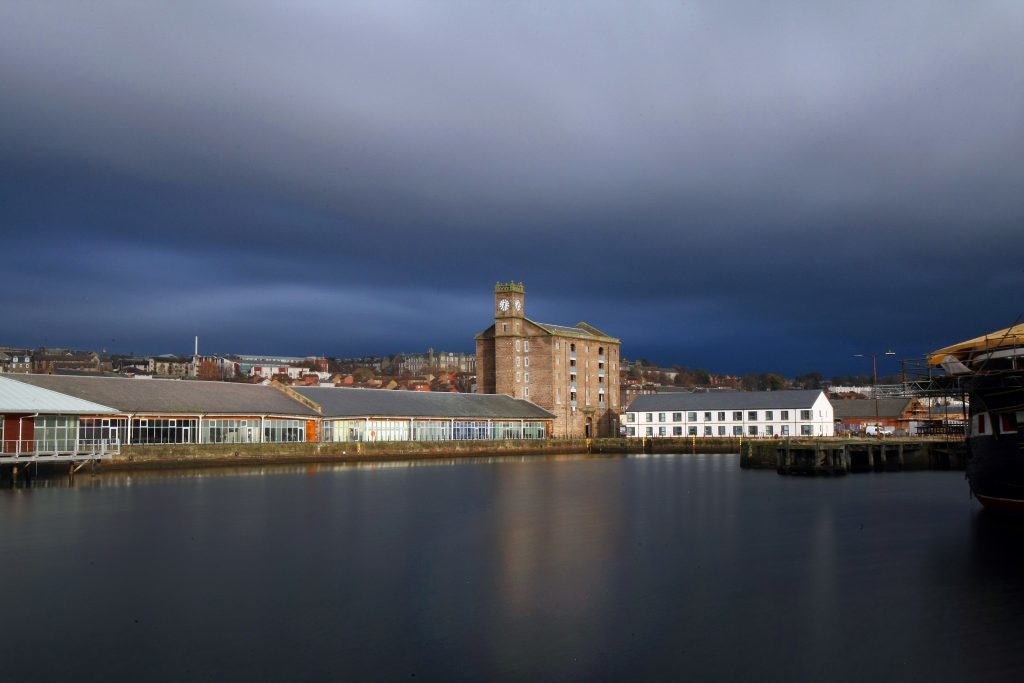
[219, 455]
[806, 456]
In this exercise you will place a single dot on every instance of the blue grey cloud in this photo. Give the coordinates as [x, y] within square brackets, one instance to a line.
[738, 185]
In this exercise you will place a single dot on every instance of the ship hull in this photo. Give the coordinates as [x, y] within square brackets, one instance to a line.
[996, 471]
[995, 467]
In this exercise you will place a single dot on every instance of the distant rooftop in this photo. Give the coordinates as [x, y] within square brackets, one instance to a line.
[854, 408]
[273, 359]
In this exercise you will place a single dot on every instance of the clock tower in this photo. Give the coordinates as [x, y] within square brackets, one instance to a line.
[509, 303]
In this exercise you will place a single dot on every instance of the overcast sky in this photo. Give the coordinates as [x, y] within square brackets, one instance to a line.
[740, 186]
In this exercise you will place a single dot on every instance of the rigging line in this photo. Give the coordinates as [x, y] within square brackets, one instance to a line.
[1001, 340]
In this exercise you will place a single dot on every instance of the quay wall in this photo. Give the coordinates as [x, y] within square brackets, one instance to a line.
[218, 455]
[810, 456]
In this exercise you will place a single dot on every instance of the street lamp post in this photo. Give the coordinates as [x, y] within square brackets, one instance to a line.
[874, 374]
[874, 362]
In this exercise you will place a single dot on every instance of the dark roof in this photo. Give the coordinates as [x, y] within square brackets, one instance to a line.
[580, 331]
[346, 402]
[726, 400]
[667, 389]
[851, 408]
[172, 395]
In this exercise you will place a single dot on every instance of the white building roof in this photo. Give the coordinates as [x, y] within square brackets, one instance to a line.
[727, 400]
[19, 397]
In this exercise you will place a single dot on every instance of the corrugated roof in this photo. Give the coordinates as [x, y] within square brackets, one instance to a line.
[565, 329]
[853, 408]
[347, 402]
[581, 331]
[19, 397]
[173, 395]
[732, 400]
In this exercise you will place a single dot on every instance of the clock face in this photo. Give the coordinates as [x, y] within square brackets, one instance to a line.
[503, 304]
[519, 305]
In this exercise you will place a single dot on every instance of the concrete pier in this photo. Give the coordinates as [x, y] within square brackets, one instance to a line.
[843, 456]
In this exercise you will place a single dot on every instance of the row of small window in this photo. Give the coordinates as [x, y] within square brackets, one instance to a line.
[586, 365]
[737, 416]
[586, 347]
[525, 347]
[572, 396]
[737, 430]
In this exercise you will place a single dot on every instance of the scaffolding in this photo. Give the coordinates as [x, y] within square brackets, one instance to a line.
[942, 397]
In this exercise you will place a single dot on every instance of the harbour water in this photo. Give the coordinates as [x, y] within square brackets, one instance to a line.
[563, 568]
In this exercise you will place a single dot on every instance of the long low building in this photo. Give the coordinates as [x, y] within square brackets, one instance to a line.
[173, 411]
[374, 415]
[60, 413]
[731, 413]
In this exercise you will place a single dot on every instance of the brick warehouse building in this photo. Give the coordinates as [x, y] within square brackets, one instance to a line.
[572, 372]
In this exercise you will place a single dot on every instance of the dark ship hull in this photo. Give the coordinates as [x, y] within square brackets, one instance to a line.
[995, 467]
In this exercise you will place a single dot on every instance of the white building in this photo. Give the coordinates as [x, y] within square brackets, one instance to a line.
[750, 414]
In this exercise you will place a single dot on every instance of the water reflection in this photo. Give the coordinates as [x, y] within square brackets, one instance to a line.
[509, 568]
[558, 530]
[50, 478]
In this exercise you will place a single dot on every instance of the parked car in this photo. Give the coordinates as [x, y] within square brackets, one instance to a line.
[879, 430]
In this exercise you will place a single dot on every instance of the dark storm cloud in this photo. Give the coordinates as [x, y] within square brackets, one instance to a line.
[736, 185]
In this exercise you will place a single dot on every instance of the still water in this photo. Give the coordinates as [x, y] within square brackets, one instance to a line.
[636, 568]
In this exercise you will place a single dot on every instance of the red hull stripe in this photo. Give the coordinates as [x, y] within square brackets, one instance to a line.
[1000, 503]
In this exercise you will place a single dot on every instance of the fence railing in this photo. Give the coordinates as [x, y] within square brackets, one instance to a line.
[83, 447]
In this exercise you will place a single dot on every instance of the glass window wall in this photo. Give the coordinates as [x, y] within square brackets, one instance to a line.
[231, 431]
[162, 430]
[284, 431]
[94, 431]
[55, 433]
[432, 430]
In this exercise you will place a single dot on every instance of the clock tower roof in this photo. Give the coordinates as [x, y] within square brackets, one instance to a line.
[509, 287]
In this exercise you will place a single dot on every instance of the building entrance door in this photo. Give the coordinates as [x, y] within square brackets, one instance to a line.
[110, 432]
[588, 429]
